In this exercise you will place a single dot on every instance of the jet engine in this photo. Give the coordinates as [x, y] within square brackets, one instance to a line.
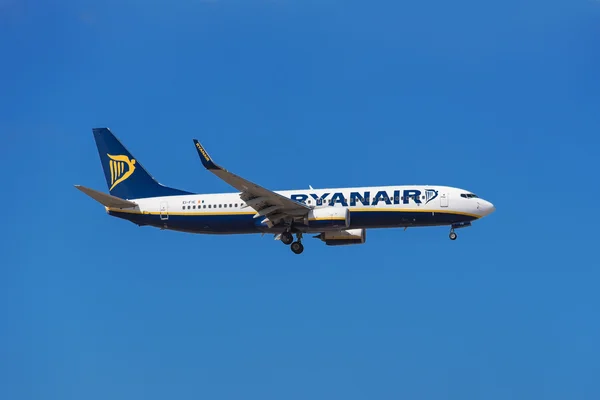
[328, 218]
[345, 237]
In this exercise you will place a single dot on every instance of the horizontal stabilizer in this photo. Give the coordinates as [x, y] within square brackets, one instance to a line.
[106, 199]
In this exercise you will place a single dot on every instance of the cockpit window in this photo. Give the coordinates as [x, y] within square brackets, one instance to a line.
[469, 195]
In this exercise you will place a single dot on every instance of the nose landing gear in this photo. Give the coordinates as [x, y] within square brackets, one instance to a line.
[453, 234]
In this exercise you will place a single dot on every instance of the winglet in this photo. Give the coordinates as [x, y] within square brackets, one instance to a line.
[204, 157]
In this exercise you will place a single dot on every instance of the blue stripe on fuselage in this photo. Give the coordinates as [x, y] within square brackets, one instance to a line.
[396, 218]
[196, 223]
[245, 223]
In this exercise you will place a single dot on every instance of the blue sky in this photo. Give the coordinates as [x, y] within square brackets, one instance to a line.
[499, 98]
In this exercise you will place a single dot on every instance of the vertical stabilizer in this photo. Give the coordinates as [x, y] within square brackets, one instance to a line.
[125, 176]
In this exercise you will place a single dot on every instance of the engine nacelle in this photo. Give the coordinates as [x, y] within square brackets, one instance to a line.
[340, 238]
[328, 218]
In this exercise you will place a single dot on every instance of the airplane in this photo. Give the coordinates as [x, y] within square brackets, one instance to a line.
[337, 216]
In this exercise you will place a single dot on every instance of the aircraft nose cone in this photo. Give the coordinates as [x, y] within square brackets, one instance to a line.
[487, 207]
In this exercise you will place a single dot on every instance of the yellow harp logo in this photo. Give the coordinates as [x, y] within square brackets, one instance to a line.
[121, 168]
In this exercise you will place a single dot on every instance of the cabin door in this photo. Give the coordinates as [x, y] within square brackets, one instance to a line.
[444, 199]
[164, 210]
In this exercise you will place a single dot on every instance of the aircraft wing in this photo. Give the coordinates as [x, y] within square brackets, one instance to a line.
[273, 206]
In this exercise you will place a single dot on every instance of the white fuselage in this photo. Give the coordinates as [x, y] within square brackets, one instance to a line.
[370, 207]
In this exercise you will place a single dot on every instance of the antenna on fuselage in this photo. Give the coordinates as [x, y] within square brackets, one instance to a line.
[311, 188]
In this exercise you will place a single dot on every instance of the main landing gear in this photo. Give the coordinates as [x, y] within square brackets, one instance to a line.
[297, 247]
[287, 238]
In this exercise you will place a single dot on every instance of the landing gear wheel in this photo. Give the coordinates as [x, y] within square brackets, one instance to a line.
[297, 247]
[287, 238]
[453, 235]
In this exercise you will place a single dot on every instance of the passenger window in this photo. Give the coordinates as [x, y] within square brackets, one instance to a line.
[235, 205]
[209, 206]
[194, 207]
[225, 205]
[189, 207]
[204, 206]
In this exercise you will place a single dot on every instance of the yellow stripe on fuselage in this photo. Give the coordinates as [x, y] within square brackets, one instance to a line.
[315, 219]
[177, 212]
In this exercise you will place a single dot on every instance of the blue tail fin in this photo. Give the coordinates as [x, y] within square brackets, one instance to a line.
[125, 176]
